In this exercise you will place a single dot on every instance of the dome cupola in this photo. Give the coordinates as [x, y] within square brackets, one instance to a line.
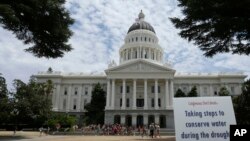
[141, 24]
[141, 42]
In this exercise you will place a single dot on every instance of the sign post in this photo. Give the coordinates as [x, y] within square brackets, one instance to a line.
[203, 118]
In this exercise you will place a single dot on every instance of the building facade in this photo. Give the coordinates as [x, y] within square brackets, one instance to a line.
[140, 89]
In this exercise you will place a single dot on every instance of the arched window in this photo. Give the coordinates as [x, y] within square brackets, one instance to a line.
[145, 39]
[136, 39]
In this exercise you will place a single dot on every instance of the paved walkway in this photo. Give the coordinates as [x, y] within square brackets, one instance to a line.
[34, 136]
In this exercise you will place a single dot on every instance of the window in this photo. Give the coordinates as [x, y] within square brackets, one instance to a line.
[152, 102]
[65, 91]
[86, 90]
[232, 90]
[120, 102]
[121, 89]
[74, 105]
[145, 39]
[127, 102]
[159, 89]
[215, 93]
[76, 90]
[152, 89]
[139, 102]
[159, 102]
[136, 39]
[132, 39]
[127, 89]
[64, 104]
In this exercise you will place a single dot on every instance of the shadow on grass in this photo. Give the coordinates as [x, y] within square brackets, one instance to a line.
[9, 138]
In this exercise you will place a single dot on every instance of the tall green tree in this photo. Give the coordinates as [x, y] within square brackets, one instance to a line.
[95, 109]
[223, 91]
[43, 24]
[242, 105]
[4, 101]
[216, 26]
[33, 101]
[193, 92]
[179, 93]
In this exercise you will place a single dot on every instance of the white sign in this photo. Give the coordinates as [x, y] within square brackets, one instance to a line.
[203, 118]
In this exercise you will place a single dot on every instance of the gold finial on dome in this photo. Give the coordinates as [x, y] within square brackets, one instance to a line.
[141, 15]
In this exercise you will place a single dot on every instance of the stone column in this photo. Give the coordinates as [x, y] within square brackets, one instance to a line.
[166, 94]
[113, 94]
[200, 90]
[156, 94]
[143, 52]
[145, 95]
[79, 99]
[138, 52]
[211, 90]
[171, 92]
[123, 119]
[157, 118]
[108, 95]
[131, 53]
[145, 119]
[123, 94]
[69, 97]
[134, 119]
[58, 90]
[134, 94]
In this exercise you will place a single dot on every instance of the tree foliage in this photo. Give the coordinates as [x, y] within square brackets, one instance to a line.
[223, 91]
[193, 92]
[33, 101]
[42, 23]
[62, 119]
[179, 93]
[216, 26]
[242, 105]
[95, 109]
[4, 103]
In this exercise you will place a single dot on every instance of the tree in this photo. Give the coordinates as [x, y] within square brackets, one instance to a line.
[193, 92]
[42, 23]
[62, 119]
[95, 109]
[223, 91]
[4, 103]
[33, 101]
[216, 26]
[179, 93]
[242, 105]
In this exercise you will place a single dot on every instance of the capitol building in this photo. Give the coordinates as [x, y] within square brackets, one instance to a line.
[140, 89]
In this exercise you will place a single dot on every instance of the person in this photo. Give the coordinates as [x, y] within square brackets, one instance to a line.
[143, 131]
[158, 130]
[151, 128]
[48, 130]
[41, 131]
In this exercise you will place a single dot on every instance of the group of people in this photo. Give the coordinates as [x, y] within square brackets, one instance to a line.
[153, 130]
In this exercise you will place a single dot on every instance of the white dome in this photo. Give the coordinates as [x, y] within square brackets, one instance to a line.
[141, 42]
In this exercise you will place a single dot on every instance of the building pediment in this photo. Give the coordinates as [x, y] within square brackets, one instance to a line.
[140, 65]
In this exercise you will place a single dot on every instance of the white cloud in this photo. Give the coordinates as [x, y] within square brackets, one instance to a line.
[99, 31]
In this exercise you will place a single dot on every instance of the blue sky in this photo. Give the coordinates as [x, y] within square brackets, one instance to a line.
[99, 30]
